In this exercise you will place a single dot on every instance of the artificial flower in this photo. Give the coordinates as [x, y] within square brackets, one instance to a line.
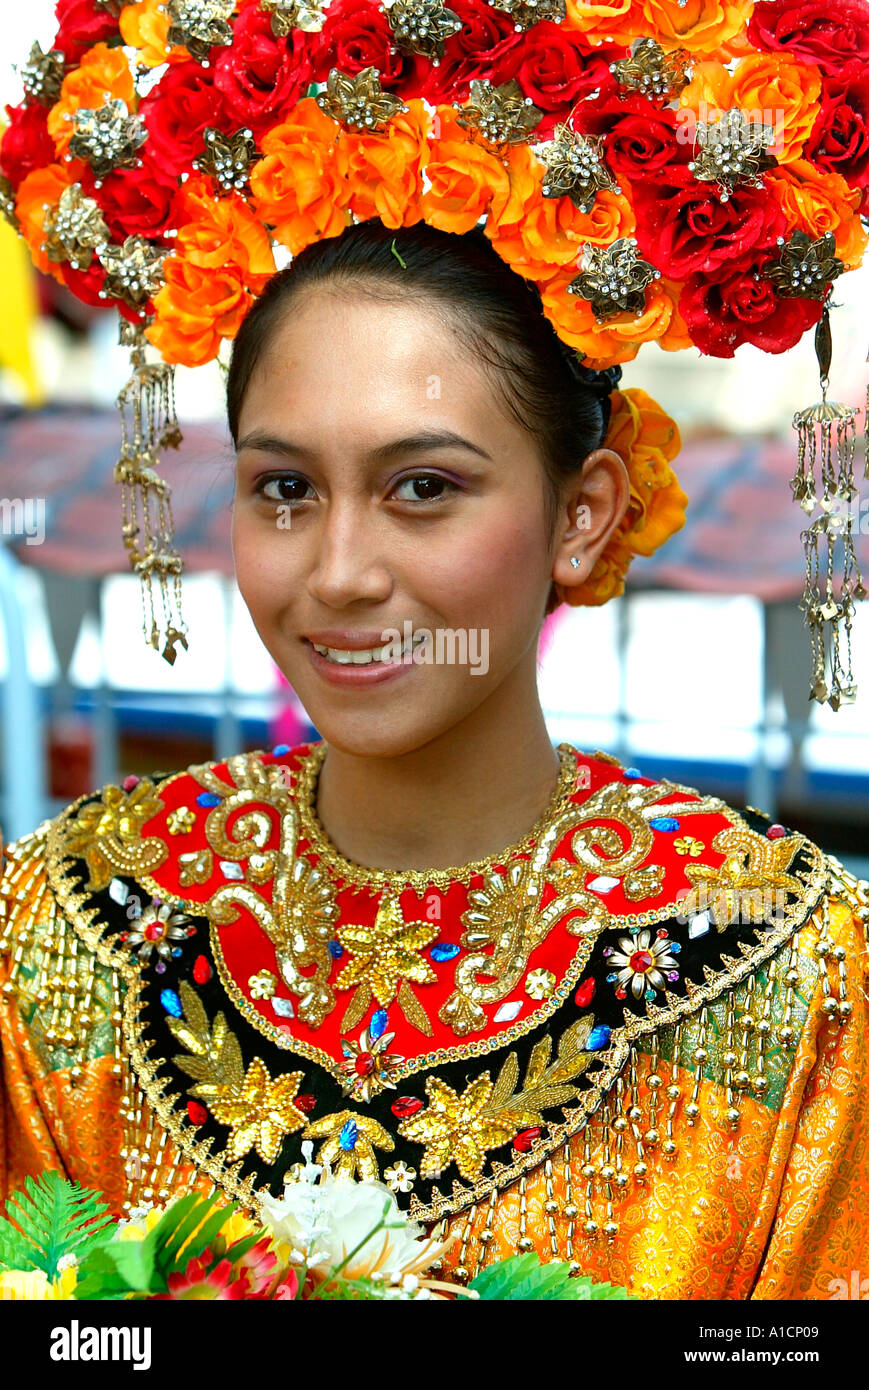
[551, 232]
[606, 21]
[26, 143]
[700, 26]
[738, 304]
[104, 75]
[195, 310]
[815, 202]
[461, 178]
[177, 111]
[814, 31]
[34, 1285]
[261, 76]
[145, 27]
[356, 35]
[383, 170]
[839, 142]
[297, 188]
[40, 189]
[639, 138]
[136, 202]
[556, 68]
[776, 91]
[82, 23]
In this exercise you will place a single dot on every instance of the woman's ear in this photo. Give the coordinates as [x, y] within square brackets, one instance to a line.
[591, 508]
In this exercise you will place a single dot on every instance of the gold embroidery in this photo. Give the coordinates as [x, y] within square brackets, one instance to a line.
[687, 844]
[457, 1129]
[108, 834]
[740, 888]
[181, 821]
[195, 867]
[540, 984]
[262, 985]
[350, 1143]
[644, 883]
[384, 954]
[367, 1067]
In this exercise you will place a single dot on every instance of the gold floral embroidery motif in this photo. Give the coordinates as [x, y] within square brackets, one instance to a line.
[750, 883]
[258, 1110]
[385, 956]
[350, 1141]
[197, 866]
[108, 834]
[644, 883]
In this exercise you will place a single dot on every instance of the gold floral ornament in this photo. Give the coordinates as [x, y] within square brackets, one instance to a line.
[200, 25]
[134, 271]
[526, 13]
[350, 1141]
[652, 72]
[614, 279]
[228, 158]
[733, 150]
[805, 267]
[687, 844]
[181, 821]
[498, 116]
[42, 75]
[644, 964]
[262, 985]
[575, 167]
[421, 26]
[108, 138]
[385, 956]
[400, 1178]
[751, 883]
[258, 1109]
[367, 1067]
[158, 929]
[107, 834]
[74, 228]
[358, 103]
[287, 15]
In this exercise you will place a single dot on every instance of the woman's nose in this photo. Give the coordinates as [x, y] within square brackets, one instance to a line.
[349, 562]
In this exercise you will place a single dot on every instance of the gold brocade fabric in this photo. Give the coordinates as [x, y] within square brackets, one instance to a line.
[728, 1159]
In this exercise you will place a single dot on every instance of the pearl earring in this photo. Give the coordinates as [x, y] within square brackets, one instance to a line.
[576, 563]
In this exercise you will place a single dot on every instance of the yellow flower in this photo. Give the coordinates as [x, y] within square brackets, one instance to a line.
[140, 1224]
[33, 1285]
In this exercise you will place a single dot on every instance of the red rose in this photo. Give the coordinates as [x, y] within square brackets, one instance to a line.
[176, 113]
[639, 138]
[814, 31]
[136, 202]
[739, 305]
[840, 136]
[82, 24]
[356, 35]
[555, 69]
[262, 76]
[684, 228]
[487, 35]
[26, 143]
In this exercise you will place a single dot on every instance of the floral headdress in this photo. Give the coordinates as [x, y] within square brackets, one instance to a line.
[688, 172]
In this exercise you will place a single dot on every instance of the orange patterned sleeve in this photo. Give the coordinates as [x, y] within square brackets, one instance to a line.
[816, 1191]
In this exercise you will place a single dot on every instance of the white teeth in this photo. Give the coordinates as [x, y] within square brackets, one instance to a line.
[343, 656]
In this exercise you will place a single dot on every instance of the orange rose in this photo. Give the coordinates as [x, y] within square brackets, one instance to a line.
[145, 27]
[223, 232]
[462, 178]
[617, 21]
[700, 26]
[814, 202]
[383, 169]
[773, 89]
[41, 189]
[553, 230]
[619, 338]
[103, 70]
[297, 188]
[195, 310]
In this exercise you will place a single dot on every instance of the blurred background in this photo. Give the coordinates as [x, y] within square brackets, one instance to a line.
[700, 673]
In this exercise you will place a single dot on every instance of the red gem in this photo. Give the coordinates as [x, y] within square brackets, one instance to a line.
[202, 971]
[154, 931]
[364, 1064]
[129, 783]
[641, 961]
[585, 993]
[305, 1103]
[191, 931]
[662, 931]
[197, 1112]
[621, 994]
[404, 1106]
[775, 832]
[523, 1141]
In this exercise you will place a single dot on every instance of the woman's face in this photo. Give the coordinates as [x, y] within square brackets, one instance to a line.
[383, 490]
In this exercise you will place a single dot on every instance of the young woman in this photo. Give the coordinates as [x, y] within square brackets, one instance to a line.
[552, 1003]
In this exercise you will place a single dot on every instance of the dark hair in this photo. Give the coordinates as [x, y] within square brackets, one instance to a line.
[496, 312]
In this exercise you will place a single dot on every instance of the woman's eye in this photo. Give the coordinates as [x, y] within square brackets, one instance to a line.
[288, 488]
[426, 487]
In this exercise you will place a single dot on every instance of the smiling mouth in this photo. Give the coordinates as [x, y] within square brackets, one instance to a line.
[387, 654]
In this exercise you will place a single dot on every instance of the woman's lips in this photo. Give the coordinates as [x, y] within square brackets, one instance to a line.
[355, 675]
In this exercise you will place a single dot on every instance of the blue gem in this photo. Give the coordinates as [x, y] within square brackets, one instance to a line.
[348, 1136]
[176, 951]
[207, 799]
[633, 772]
[598, 1037]
[650, 993]
[444, 950]
[336, 950]
[664, 823]
[674, 947]
[171, 1003]
[378, 1024]
[280, 748]
[612, 977]
[346, 1048]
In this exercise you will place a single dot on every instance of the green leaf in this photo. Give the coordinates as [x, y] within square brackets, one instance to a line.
[524, 1277]
[52, 1218]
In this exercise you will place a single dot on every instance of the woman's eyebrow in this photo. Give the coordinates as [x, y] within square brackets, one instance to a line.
[413, 443]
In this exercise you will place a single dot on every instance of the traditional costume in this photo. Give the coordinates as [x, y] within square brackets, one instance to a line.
[636, 1040]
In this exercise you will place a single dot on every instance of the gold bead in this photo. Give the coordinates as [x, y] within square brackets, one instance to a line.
[571, 1211]
[822, 948]
[830, 1006]
[746, 1023]
[792, 977]
[759, 1084]
[732, 1116]
[8, 988]
[846, 1008]
[621, 1179]
[588, 1170]
[673, 1092]
[640, 1169]
[51, 1035]
[84, 1020]
[550, 1208]
[75, 1073]
[620, 1125]
[654, 1081]
[729, 1059]
[839, 953]
[650, 1138]
[460, 1274]
[573, 1267]
[486, 1236]
[669, 1147]
[763, 1026]
[524, 1244]
[692, 1110]
[787, 1033]
[611, 1230]
[699, 1054]
[590, 1227]
[741, 1080]
[635, 1113]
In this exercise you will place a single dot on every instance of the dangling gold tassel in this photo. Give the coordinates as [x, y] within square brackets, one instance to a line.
[828, 617]
[149, 424]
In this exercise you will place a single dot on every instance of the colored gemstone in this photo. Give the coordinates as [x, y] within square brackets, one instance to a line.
[348, 1136]
[633, 772]
[160, 967]
[336, 950]
[444, 950]
[611, 978]
[621, 994]
[230, 869]
[197, 1112]
[171, 1003]
[508, 1012]
[641, 961]
[305, 1103]
[207, 799]
[176, 951]
[405, 1106]
[675, 948]
[280, 749]
[524, 1140]
[585, 993]
[202, 971]
[775, 832]
[191, 931]
[662, 932]
[650, 993]
[154, 931]
[364, 1064]
[129, 783]
[672, 974]
[598, 1037]
[664, 823]
[377, 1026]
[609, 951]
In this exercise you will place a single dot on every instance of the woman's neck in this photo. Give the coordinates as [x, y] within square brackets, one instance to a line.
[465, 795]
